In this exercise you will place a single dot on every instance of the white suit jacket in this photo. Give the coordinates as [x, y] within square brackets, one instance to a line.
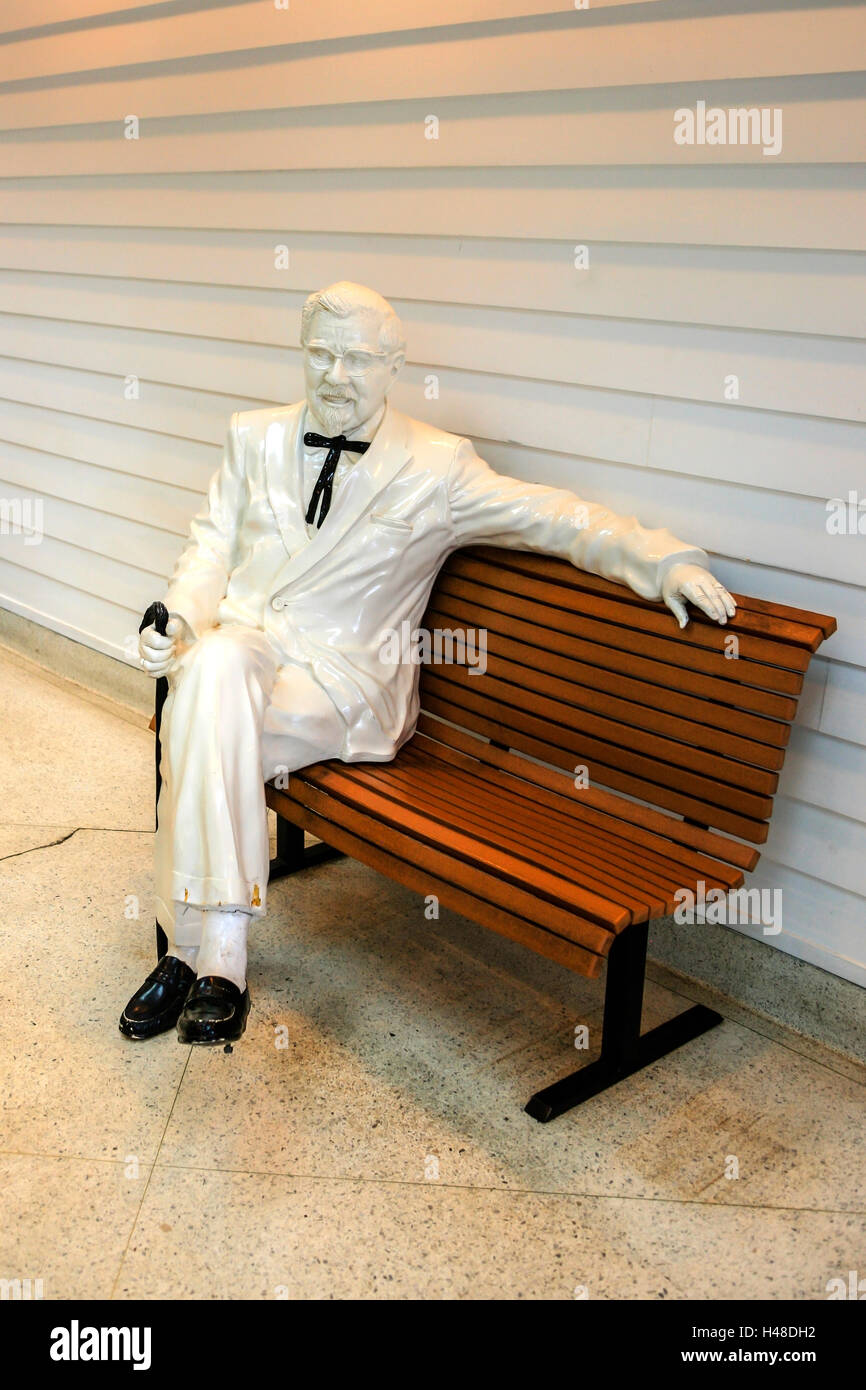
[417, 494]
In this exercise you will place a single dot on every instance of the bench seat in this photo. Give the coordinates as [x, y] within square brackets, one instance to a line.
[531, 859]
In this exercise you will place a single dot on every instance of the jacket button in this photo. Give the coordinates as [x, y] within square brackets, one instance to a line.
[278, 603]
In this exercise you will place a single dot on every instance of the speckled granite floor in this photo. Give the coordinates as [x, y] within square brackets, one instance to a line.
[366, 1138]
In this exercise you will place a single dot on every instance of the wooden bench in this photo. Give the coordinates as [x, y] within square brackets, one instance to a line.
[682, 743]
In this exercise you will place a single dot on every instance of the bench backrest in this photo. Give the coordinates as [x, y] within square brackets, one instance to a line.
[583, 673]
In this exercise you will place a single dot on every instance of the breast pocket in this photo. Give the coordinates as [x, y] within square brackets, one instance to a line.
[390, 525]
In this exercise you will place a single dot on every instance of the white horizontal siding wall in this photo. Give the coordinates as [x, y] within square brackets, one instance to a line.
[262, 127]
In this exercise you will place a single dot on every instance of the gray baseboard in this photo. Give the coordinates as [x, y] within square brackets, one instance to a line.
[73, 661]
[709, 963]
[716, 964]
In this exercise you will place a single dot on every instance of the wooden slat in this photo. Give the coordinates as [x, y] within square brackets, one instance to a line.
[655, 684]
[563, 592]
[760, 675]
[466, 876]
[535, 668]
[625, 837]
[526, 824]
[591, 738]
[630, 867]
[420, 880]
[553, 895]
[748, 827]
[489, 824]
[707, 841]
[738, 707]
[799, 617]
[772, 620]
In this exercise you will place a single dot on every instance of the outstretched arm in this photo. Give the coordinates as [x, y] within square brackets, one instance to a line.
[498, 510]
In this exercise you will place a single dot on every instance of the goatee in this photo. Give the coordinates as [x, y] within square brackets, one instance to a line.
[334, 418]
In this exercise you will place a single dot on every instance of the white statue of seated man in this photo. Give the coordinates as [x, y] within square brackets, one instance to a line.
[324, 528]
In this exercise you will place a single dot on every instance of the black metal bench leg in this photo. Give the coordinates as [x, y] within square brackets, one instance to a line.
[623, 1050]
[293, 855]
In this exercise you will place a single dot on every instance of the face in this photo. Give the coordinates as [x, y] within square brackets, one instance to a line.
[344, 392]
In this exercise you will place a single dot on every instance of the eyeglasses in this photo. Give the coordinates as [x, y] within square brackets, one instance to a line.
[357, 361]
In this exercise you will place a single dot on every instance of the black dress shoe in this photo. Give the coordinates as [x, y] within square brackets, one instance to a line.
[156, 1005]
[214, 1011]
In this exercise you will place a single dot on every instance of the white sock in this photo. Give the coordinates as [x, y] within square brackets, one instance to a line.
[188, 954]
[185, 937]
[223, 949]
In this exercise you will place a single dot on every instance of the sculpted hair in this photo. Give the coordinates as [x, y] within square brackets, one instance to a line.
[343, 299]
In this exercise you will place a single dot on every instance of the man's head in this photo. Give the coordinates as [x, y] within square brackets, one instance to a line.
[354, 346]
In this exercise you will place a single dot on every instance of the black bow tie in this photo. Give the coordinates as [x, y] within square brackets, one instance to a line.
[325, 485]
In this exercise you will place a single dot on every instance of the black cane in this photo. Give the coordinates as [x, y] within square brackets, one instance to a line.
[157, 615]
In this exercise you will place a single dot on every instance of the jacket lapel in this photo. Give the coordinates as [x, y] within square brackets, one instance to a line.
[386, 456]
[284, 475]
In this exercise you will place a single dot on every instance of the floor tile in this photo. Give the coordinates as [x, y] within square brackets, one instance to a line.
[68, 762]
[66, 1222]
[69, 960]
[378, 1039]
[273, 1237]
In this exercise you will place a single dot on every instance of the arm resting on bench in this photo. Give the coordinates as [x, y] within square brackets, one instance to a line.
[489, 507]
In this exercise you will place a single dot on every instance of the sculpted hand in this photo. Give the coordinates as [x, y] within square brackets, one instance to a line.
[158, 653]
[696, 584]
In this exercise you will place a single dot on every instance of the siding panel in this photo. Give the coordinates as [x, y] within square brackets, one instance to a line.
[819, 376]
[731, 287]
[620, 127]
[810, 206]
[565, 51]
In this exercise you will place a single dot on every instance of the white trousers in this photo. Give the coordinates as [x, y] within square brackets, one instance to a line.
[235, 717]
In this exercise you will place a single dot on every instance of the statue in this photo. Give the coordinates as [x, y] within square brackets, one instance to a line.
[324, 527]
